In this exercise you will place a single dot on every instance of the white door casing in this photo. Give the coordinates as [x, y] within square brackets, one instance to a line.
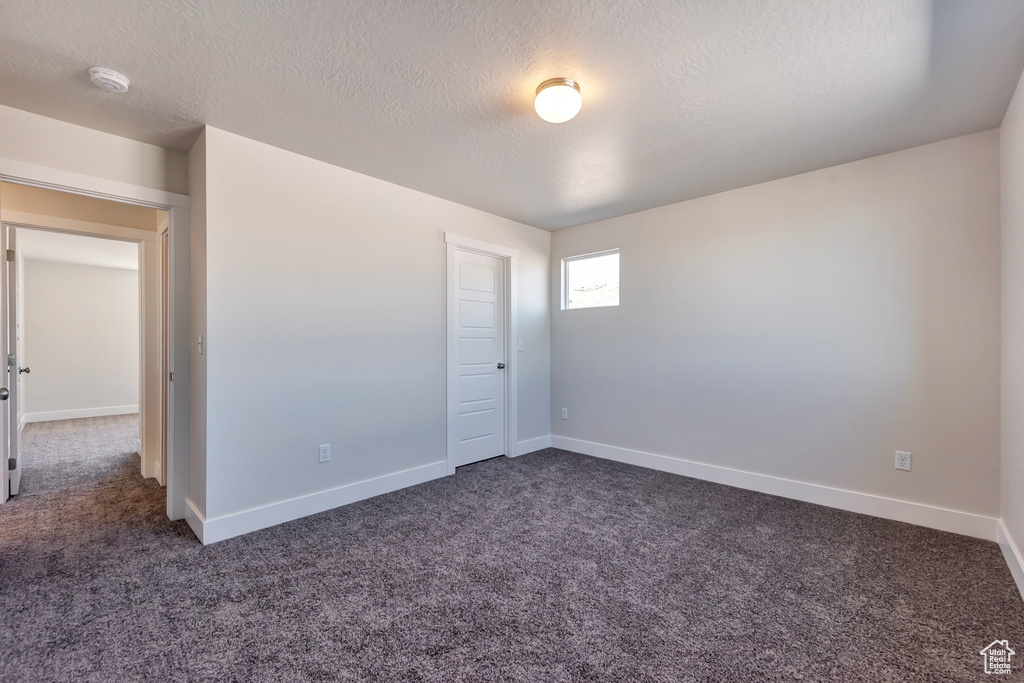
[11, 411]
[176, 205]
[481, 377]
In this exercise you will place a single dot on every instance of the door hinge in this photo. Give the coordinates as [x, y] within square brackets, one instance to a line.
[10, 254]
[172, 377]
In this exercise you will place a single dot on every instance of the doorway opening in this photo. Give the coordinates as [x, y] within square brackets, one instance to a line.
[85, 315]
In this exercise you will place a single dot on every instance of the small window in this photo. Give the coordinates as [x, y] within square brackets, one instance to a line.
[591, 280]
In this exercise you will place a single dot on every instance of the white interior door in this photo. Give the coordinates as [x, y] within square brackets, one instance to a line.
[477, 358]
[12, 378]
[4, 391]
[19, 345]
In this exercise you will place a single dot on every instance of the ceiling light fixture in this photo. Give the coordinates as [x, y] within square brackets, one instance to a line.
[109, 80]
[558, 100]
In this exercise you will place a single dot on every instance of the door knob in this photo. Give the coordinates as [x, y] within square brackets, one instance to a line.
[25, 370]
[501, 366]
[4, 393]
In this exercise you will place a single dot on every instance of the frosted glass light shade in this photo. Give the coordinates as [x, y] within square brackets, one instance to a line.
[558, 100]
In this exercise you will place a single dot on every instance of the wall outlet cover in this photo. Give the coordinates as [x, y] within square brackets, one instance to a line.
[325, 452]
[903, 460]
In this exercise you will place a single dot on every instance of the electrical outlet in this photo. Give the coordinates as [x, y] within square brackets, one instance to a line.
[903, 460]
[520, 347]
[325, 452]
[565, 413]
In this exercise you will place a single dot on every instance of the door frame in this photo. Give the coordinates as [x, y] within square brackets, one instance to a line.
[144, 241]
[455, 243]
[176, 205]
[163, 251]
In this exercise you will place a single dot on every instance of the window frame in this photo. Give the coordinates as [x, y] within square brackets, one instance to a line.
[582, 257]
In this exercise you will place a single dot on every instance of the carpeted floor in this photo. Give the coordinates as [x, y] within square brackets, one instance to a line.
[70, 453]
[549, 567]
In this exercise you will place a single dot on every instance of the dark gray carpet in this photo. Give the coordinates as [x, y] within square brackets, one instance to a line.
[69, 453]
[549, 567]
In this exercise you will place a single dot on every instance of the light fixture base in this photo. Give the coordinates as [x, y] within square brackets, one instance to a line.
[109, 80]
[568, 82]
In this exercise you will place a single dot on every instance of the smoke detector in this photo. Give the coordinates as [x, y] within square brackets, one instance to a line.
[109, 80]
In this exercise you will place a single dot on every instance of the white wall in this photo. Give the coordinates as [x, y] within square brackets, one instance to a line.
[805, 328]
[32, 139]
[197, 323]
[81, 339]
[1012, 159]
[325, 323]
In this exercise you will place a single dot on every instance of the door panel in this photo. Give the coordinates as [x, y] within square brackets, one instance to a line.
[12, 376]
[478, 314]
[5, 417]
[480, 338]
[476, 351]
[476, 278]
[474, 389]
[477, 424]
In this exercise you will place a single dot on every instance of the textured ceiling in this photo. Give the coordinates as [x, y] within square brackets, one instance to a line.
[682, 98]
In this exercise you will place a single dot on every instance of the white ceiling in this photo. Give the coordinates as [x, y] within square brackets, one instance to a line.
[40, 245]
[682, 98]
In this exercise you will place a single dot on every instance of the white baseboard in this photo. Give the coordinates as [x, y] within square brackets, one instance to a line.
[238, 523]
[195, 519]
[954, 521]
[1014, 559]
[531, 445]
[75, 414]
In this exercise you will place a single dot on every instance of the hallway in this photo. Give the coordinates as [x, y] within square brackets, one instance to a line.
[67, 454]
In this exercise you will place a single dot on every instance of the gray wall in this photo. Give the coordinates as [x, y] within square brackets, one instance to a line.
[1012, 157]
[39, 140]
[325, 323]
[81, 339]
[805, 328]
